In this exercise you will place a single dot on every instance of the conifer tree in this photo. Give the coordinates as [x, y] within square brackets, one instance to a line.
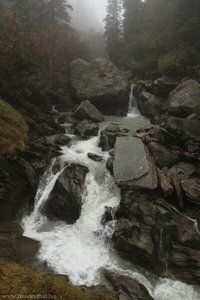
[113, 31]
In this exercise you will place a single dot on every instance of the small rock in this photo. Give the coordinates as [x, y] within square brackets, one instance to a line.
[62, 140]
[94, 156]
[87, 129]
[191, 188]
[163, 157]
[164, 183]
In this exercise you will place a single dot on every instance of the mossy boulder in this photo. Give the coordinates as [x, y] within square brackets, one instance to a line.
[13, 130]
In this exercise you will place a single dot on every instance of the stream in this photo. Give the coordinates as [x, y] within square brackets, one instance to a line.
[83, 250]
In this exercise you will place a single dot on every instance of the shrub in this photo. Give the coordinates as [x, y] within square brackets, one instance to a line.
[13, 130]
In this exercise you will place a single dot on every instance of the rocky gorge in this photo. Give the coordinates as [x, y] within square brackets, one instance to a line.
[144, 208]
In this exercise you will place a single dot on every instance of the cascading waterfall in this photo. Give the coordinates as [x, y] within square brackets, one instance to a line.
[132, 106]
[83, 250]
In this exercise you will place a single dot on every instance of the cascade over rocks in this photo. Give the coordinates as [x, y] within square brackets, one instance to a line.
[64, 202]
[153, 234]
[133, 166]
[185, 99]
[87, 111]
[101, 83]
[127, 286]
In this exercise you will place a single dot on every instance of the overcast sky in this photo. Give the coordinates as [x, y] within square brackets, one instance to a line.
[100, 8]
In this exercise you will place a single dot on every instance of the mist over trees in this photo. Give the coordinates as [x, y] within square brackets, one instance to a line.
[37, 46]
[154, 36]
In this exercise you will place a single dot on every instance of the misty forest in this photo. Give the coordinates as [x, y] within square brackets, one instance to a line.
[100, 149]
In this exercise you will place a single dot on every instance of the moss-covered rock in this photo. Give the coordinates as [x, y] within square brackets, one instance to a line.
[13, 130]
[18, 280]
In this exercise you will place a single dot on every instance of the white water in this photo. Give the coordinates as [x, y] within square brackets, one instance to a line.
[83, 249]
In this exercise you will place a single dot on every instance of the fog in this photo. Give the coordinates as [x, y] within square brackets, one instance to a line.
[88, 14]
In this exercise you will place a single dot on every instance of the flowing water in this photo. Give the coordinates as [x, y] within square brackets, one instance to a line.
[83, 250]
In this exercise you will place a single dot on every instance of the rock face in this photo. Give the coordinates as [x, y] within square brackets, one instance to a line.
[152, 234]
[128, 286]
[133, 166]
[185, 99]
[101, 83]
[64, 202]
[163, 157]
[87, 111]
[86, 129]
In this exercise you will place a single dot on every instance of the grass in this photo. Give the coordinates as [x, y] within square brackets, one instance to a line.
[17, 280]
[13, 130]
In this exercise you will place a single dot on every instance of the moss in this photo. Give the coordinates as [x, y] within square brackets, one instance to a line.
[18, 280]
[13, 130]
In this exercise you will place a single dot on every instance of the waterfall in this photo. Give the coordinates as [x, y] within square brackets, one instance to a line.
[132, 106]
[83, 250]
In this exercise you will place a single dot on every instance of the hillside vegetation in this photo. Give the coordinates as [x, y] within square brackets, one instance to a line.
[13, 130]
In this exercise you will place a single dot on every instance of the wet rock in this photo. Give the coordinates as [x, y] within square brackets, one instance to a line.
[154, 235]
[101, 83]
[109, 135]
[94, 156]
[164, 183]
[15, 247]
[191, 188]
[150, 105]
[109, 164]
[127, 286]
[163, 157]
[176, 182]
[64, 202]
[185, 99]
[87, 129]
[87, 111]
[162, 86]
[62, 140]
[133, 166]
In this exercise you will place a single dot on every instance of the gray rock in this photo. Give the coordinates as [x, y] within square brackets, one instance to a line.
[153, 234]
[164, 183]
[101, 83]
[163, 157]
[128, 286]
[62, 140]
[64, 202]
[191, 188]
[150, 105]
[133, 166]
[109, 135]
[87, 111]
[185, 99]
[94, 156]
[87, 129]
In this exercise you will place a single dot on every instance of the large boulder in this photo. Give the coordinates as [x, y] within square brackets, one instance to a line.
[185, 99]
[87, 111]
[162, 86]
[163, 156]
[64, 202]
[133, 166]
[153, 234]
[101, 83]
[150, 105]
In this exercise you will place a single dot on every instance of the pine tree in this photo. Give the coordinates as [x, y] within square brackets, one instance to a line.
[132, 18]
[113, 29]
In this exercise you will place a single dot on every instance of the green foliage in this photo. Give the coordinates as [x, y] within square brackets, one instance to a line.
[161, 36]
[34, 61]
[17, 280]
[179, 61]
[13, 130]
[113, 29]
